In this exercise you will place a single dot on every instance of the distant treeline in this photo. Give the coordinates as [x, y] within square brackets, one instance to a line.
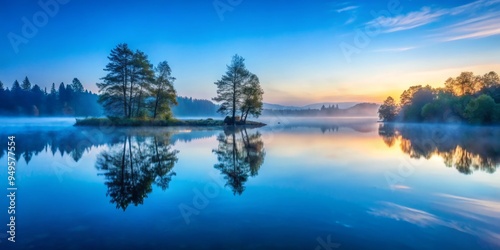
[360, 109]
[30, 100]
[187, 106]
[467, 98]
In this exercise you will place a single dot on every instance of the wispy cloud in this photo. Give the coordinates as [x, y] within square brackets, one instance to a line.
[350, 20]
[348, 8]
[474, 20]
[473, 6]
[408, 214]
[408, 21]
[474, 225]
[478, 207]
[399, 49]
[473, 28]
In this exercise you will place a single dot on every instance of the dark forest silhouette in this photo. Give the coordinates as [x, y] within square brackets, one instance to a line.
[187, 106]
[467, 149]
[26, 99]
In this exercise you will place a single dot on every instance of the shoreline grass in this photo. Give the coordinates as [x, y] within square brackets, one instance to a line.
[133, 122]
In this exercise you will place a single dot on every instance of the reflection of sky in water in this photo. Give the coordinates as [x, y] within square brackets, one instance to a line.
[478, 213]
[314, 182]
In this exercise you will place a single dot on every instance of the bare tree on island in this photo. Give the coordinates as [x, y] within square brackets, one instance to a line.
[240, 90]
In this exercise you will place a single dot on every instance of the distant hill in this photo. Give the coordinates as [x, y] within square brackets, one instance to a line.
[362, 109]
[341, 105]
[279, 107]
[358, 110]
[188, 106]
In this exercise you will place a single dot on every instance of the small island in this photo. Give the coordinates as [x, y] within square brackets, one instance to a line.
[120, 122]
[134, 93]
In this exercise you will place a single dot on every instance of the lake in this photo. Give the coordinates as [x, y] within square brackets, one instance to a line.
[325, 183]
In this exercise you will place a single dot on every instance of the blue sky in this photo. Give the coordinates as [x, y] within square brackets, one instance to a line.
[302, 51]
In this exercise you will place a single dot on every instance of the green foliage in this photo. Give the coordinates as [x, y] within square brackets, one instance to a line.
[465, 84]
[389, 110]
[493, 91]
[468, 98]
[480, 110]
[162, 89]
[432, 111]
[491, 79]
[413, 100]
[441, 108]
[251, 98]
[496, 114]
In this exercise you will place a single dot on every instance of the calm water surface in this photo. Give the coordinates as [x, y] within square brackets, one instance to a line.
[294, 184]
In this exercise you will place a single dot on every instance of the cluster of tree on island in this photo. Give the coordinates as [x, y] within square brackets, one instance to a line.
[133, 88]
[239, 91]
[467, 98]
[360, 109]
[30, 100]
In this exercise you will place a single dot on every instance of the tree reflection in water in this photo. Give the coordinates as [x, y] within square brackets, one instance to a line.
[465, 148]
[240, 156]
[134, 164]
